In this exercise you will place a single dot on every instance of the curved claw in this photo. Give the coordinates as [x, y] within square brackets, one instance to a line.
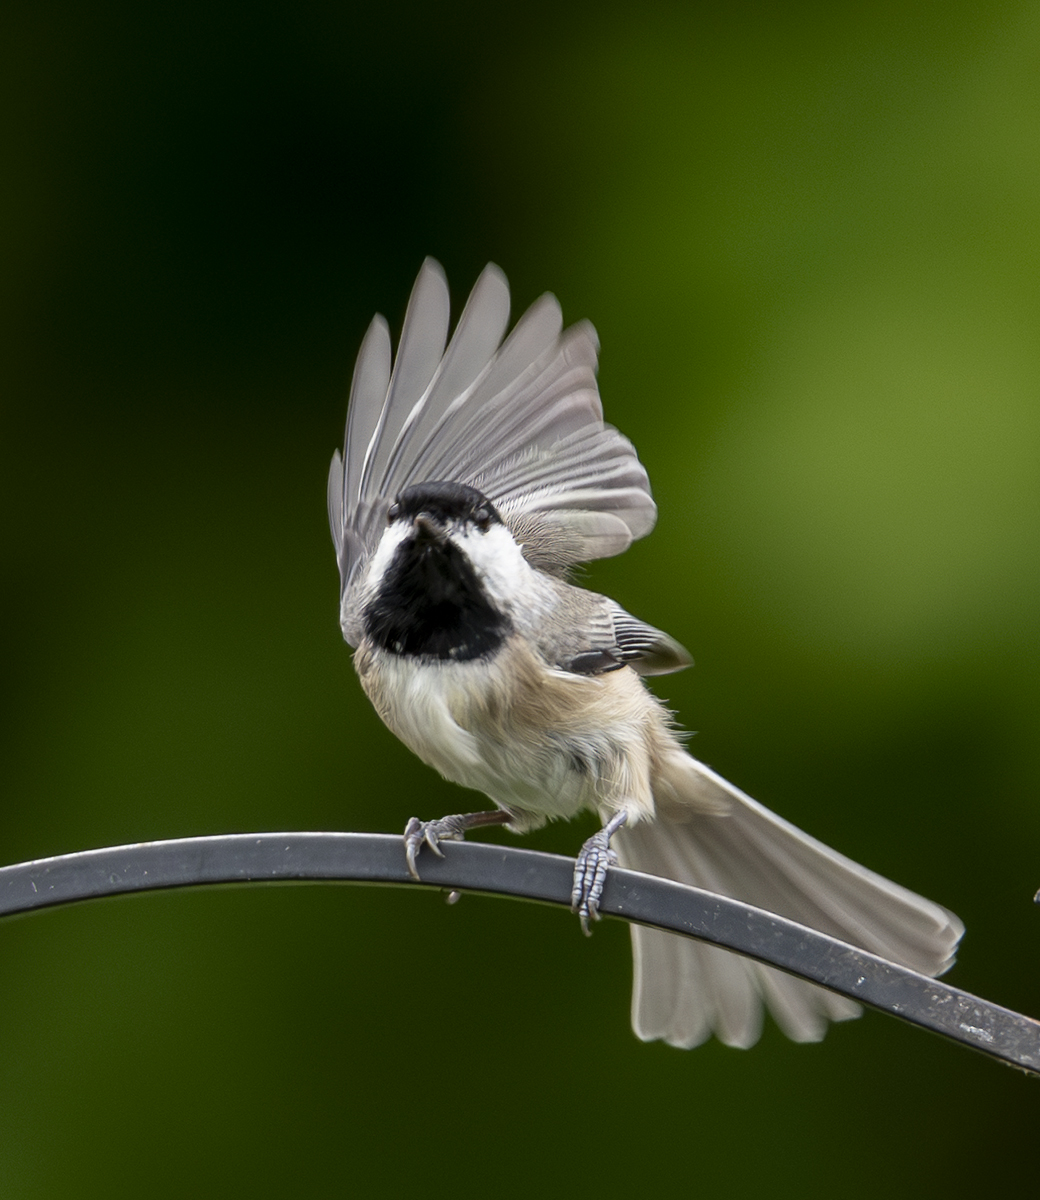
[444, 829]
[431, 833]
[433, 839]
[590, 871]
[414, 836]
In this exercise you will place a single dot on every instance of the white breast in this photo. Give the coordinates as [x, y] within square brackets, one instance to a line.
[541, 743]
[466, 721]
[421, 703]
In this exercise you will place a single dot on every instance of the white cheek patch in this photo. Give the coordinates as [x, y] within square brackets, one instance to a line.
[392, 537]
[377, 567]
[499, 563]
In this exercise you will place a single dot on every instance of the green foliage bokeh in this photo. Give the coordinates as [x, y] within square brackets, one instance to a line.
[809, 237]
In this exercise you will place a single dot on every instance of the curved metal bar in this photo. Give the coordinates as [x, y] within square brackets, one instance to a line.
[509, 871]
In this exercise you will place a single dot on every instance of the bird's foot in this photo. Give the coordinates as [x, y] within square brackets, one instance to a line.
[444, 829]
[590, 871]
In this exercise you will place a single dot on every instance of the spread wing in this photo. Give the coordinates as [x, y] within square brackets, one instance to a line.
[519, 419]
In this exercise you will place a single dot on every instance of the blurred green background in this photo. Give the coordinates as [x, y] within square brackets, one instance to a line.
[809, 237]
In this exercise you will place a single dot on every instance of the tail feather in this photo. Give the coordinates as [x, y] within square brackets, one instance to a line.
[726, 842]
[725, 1002]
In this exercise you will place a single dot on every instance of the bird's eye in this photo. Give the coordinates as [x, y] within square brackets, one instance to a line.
[392, 513]
[482, 518]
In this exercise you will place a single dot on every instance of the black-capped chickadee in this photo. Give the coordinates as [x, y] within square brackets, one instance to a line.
[472, 480]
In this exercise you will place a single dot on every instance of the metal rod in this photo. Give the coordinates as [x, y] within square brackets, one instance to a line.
[508, 871]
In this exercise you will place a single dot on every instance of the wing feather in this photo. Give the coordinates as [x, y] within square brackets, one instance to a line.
[367, 393]
[423, 336]
[477, 336]
[648, 650]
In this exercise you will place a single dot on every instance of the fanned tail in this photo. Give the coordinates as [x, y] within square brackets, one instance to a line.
[709, 834]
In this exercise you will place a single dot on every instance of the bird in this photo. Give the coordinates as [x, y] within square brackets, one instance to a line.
[476, 475]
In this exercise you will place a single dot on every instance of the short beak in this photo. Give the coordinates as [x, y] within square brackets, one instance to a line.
[428, 528]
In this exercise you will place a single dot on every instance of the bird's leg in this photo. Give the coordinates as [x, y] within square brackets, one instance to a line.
[445, 829]
[590, 871]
